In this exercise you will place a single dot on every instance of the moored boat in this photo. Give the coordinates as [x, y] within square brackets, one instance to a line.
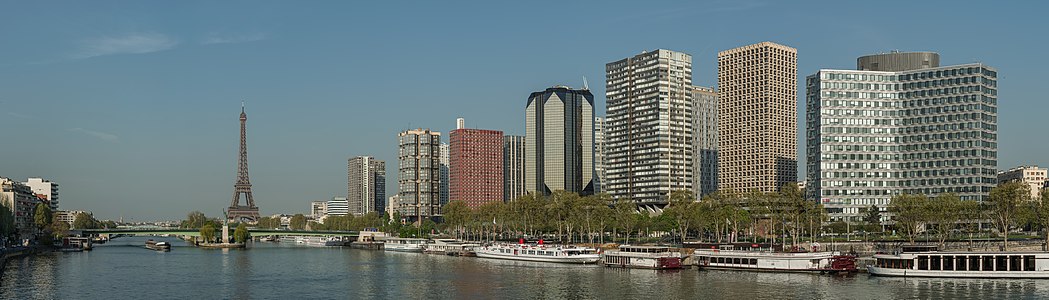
[826, 262]
[404, 244]
[962, 264]
[158, 246]
[539, 253]
[450, 247]
[642, 257]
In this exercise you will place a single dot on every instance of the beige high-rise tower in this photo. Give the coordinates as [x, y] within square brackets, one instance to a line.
[757, 117]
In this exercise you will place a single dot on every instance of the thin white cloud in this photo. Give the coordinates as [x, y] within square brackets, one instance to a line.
[137, 43]
[97, 134]
[215, 38]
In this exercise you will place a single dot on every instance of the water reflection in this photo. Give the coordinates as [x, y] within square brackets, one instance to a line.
[123, 269]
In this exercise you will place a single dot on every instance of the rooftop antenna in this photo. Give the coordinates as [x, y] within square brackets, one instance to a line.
[586, 87]
[241, 105]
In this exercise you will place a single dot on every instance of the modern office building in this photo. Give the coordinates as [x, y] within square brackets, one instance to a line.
[513, 167]
[476, 166]
[338, 206]
[1033, 176]
[757, 117]
[445, 170]
[366, 185]
[318, 209]
[599, 151]
[903, 125]
[47, 188]
[419, 174]
[648, 127]
[21, 200]
[559, 141]
[705, 124]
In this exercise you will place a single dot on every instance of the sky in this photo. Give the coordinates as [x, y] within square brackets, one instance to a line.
[132, 106]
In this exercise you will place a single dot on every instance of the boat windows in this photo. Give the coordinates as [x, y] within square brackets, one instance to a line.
[960, 263]
[934, 262]
[754, 261]
[735, 261]
[1000, 263]
[948, 263]
[974, 263]
[923, 262]
[988, 263]
[1029, 263]
[1014, 263]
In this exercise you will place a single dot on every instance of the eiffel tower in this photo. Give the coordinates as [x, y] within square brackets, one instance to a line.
[248, 212]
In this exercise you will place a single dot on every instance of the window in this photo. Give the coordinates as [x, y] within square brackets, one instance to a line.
[1014, 263]
[988, 263]
[1000, 263]
[923, 262]
[1029, 263]
[960, 263]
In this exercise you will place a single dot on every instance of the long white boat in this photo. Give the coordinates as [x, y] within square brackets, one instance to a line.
[962, 264]
[817, 262]
[642, 257]
[540, 253]
[450, 247]
[404, 244]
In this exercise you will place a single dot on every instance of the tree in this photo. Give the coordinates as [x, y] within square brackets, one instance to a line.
[1039, 213]
[456, 213]
[872, 216]
[298, 222]
[624, 216]
[1003, 206]
[58, 228]
[85, 221]
[207, 232]
[945, 212]
[240, 235]
[910, 213]
[42, 216]
[7, 217]
[195, 219]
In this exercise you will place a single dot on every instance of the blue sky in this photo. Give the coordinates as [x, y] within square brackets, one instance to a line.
[132, 106]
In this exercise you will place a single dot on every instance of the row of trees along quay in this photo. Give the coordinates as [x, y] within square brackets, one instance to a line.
[784, 217]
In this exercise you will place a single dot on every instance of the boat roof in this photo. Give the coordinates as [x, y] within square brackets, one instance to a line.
[643, 247]
[884, 255]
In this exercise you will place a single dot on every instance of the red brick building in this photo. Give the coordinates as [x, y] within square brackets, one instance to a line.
[475, 163]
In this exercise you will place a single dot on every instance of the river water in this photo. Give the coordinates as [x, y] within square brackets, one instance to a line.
[123, 269]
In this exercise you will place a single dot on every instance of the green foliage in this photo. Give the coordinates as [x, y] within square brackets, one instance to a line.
[268, 223]
[7, 217]
[207, 232]
[1004, 206]
[910, 213]
[298, 222]
[348, 222]
[85, 221]
[42, 215]
[194, 219]
[58, 228]
[872, 216]
[240, 235]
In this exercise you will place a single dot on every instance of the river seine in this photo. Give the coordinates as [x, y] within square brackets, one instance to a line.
[123, 269]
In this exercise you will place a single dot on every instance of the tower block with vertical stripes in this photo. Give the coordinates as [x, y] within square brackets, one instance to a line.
[248, 211]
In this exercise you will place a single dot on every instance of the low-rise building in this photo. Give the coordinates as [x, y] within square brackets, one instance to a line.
[338, 206]
[69, 216]
[318, 209]
[1034, 176]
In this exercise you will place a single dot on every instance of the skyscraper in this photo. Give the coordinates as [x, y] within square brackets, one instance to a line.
[649, 136]
[757, 117]
[445, 170]
[599, 151]
[513, 167]
[559, 141]
[901, 124]
[419, 173]
[476, 166]
[705, 123]
[366, 185]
